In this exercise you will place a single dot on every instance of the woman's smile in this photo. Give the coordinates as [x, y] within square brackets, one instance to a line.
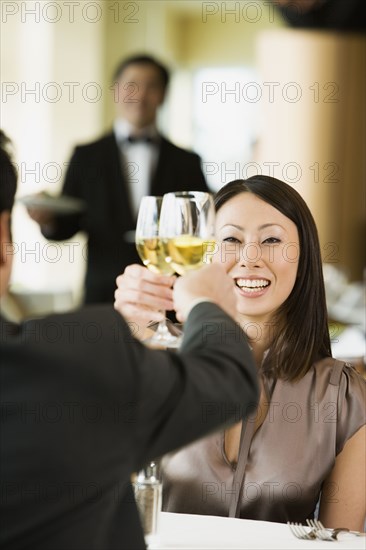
[252, 287]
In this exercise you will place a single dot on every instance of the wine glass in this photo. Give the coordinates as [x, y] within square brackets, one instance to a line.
[152, 253]
[187, 228]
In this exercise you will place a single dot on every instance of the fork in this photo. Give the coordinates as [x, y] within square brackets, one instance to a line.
[299, 531]
[323, 533]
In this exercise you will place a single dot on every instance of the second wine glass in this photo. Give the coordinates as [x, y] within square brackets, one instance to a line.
[153, 255]
[187, 229]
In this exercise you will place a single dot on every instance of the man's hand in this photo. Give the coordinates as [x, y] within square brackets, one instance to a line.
[209, 283]
[143, 296]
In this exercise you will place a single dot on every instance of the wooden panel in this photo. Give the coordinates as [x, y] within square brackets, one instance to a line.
[314, 126]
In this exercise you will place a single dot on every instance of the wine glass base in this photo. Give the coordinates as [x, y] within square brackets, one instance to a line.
[176, 329]
[170, 336]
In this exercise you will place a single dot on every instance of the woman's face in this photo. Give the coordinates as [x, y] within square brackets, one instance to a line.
[260, 248]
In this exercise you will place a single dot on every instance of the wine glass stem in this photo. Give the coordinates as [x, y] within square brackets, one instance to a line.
[162, 330]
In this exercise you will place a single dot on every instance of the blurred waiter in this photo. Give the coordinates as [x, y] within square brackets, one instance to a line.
[112, 174]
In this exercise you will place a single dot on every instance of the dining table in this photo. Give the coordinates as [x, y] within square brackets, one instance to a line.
[187, 531]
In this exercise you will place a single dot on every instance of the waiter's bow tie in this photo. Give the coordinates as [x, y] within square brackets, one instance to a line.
[141, 139]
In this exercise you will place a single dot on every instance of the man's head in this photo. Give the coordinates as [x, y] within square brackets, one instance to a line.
[140, 85]
[8, 184]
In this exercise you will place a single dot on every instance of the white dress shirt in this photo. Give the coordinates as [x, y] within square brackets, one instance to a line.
[138, 159]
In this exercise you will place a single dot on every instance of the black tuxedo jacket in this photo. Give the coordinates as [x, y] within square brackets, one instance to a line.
[83, 405]
[95, 175]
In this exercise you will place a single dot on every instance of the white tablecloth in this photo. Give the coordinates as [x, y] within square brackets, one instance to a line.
[178, 531]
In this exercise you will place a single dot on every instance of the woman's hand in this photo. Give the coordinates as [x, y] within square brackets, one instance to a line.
[142, 296]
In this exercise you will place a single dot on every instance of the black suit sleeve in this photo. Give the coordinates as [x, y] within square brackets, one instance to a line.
[208, 383]
[163, 399]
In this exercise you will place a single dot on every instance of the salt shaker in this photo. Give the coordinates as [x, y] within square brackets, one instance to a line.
[148, 494]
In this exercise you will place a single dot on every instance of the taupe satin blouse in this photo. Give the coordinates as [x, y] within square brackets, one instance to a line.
[286, 460]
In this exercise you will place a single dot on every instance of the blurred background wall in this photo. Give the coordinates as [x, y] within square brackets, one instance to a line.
[248, 93]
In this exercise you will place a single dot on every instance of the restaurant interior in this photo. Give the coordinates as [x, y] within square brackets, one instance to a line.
[252, 91]
[289, 101]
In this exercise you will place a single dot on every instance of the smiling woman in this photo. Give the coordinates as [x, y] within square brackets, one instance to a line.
[276, 241]
[305, 442]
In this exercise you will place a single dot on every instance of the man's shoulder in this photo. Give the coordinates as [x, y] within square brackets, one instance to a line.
[87, 325]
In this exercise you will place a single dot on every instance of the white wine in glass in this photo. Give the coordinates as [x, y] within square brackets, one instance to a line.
[152, 252]
[187, 226]
[186, 252]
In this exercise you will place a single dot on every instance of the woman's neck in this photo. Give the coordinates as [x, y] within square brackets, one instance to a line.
[258, 351]
[259, 334]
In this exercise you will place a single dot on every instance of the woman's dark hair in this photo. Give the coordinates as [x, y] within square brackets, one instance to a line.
[301, 335]
[143, 60]
[8, 176]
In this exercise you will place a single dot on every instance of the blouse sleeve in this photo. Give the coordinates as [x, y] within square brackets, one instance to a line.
[352, 405]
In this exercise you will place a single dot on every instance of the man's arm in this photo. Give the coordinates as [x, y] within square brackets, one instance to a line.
[211, 382]
[148, 402]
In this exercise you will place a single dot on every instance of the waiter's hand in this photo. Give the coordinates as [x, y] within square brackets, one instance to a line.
[41, 216]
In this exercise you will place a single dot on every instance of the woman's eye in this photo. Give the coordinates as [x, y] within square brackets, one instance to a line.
[271, 240]
[230, 240]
